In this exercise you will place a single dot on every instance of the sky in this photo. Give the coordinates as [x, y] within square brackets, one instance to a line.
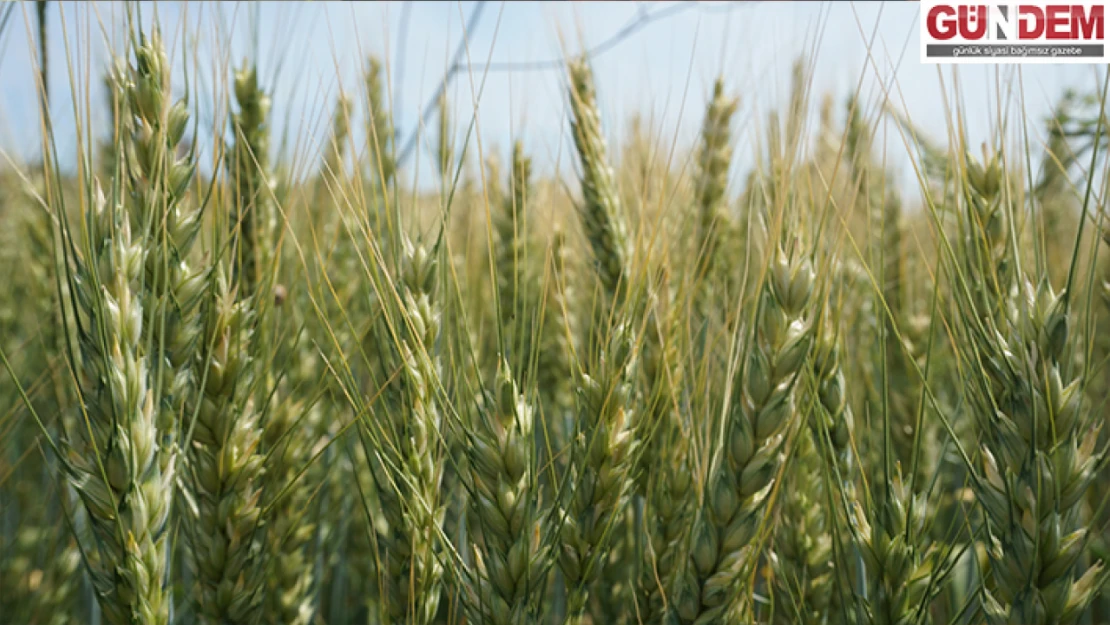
[655, 59]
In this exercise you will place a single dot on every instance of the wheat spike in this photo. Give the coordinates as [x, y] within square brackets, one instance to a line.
[603, 456]
[113, 457]
[226, 466]
[600, 211]
[759, 416]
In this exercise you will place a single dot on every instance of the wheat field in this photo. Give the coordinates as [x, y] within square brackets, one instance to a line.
[252, 384]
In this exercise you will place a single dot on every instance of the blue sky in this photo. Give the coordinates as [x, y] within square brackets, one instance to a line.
[664, 70]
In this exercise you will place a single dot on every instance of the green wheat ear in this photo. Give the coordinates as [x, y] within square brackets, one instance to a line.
[760, 414]
[226, 466]
[506, 509]
[600, 211]
[256, 222]
[603, 456]
[444, 156]
[379, 126]
[289, 437]
[684, 420]
[134, 298]
[113, 457]
[903, 576]
[560, 330]
[509, 223]
[1035, 428]
[714, 157]
[409, 463]
[517, 276]
[803, 556]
